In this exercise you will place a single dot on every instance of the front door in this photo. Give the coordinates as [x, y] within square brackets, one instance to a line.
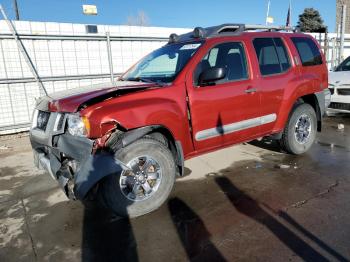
[225, 111]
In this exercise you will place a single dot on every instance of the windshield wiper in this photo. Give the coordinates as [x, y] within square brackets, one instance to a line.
[145, 80]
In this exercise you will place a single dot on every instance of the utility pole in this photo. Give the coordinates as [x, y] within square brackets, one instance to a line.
[15, 6]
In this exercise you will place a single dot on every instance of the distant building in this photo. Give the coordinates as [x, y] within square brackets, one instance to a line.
[339, 14]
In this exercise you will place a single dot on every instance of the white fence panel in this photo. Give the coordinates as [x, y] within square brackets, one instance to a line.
[65, 56]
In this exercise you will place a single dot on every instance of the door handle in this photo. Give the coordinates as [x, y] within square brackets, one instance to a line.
[251, 90]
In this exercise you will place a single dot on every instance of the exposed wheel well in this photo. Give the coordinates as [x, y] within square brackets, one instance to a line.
[308, 99]
[174, 146]
[120, 139]
[312, 100]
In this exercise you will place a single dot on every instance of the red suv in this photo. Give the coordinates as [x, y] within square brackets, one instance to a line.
[125, 142]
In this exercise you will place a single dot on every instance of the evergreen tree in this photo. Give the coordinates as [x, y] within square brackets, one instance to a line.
[311, 21]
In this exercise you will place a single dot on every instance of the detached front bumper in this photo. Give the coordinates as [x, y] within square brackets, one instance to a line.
[70, 159]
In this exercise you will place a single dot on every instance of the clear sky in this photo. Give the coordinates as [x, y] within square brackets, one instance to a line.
[178, 13]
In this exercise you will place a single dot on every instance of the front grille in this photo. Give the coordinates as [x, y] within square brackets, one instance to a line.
[60, 121]
[344, 91]
[42, 120]
[340, 106]
[331, 90]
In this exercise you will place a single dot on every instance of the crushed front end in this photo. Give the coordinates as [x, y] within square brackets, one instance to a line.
[67, 155]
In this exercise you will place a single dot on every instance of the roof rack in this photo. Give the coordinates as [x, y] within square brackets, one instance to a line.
[227, 29]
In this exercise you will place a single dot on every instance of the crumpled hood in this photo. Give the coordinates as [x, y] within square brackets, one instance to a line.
[339, 78]
[70, 100]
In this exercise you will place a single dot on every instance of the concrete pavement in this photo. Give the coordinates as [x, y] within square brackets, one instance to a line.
[238, 203]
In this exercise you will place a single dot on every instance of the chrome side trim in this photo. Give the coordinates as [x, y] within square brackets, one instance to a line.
[234, 127]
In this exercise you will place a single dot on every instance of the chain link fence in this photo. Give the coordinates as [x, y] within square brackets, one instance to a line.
[65, 56]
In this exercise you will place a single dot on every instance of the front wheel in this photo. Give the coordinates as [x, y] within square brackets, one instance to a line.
[146, 185]
[300, 131]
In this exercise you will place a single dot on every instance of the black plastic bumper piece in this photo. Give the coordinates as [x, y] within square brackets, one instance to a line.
[92, 167]
[95, 168]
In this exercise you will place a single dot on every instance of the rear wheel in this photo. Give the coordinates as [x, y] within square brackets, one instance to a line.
[148, 182]
[300, 132]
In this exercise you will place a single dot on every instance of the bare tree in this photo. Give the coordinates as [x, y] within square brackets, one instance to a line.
[141, 19]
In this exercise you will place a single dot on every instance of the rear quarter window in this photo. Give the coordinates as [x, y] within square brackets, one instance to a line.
[309, 52]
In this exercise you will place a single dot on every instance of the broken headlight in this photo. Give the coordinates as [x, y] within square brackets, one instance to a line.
[77, 125]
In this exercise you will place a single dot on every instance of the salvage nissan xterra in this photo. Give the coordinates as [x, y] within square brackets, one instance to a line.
[124, 143]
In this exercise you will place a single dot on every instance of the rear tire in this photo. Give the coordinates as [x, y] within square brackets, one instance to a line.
[300, 131]
[118, 191]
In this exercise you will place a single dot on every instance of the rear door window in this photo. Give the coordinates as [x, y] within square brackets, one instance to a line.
[272, 56]
[282, 54]
[309, 53]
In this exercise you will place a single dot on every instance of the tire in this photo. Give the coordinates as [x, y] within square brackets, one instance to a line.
[290, 141]
[117, 199]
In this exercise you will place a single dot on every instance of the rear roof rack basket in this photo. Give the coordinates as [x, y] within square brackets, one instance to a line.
[228, 29]
[240, 28]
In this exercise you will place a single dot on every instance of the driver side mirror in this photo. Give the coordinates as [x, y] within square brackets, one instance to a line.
[211, 75]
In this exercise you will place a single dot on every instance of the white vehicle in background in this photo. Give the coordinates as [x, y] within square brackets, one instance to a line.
[339, 85]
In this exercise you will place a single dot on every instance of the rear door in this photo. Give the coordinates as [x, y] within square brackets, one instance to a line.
[225, 111]
[276, 76]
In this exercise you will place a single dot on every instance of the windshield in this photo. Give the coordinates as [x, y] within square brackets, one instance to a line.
[344, 66]
[163, 64]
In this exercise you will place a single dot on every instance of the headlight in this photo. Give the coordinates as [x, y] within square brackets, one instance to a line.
[78, 126]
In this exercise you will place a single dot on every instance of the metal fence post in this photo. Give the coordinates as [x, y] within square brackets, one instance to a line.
[110, 59]
[326, 46]
[333, 53]
[342, 35]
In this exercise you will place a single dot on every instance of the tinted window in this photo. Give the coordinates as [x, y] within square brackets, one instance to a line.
[308, 51]
[272, 55]
[231, 56]
[282, 54]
